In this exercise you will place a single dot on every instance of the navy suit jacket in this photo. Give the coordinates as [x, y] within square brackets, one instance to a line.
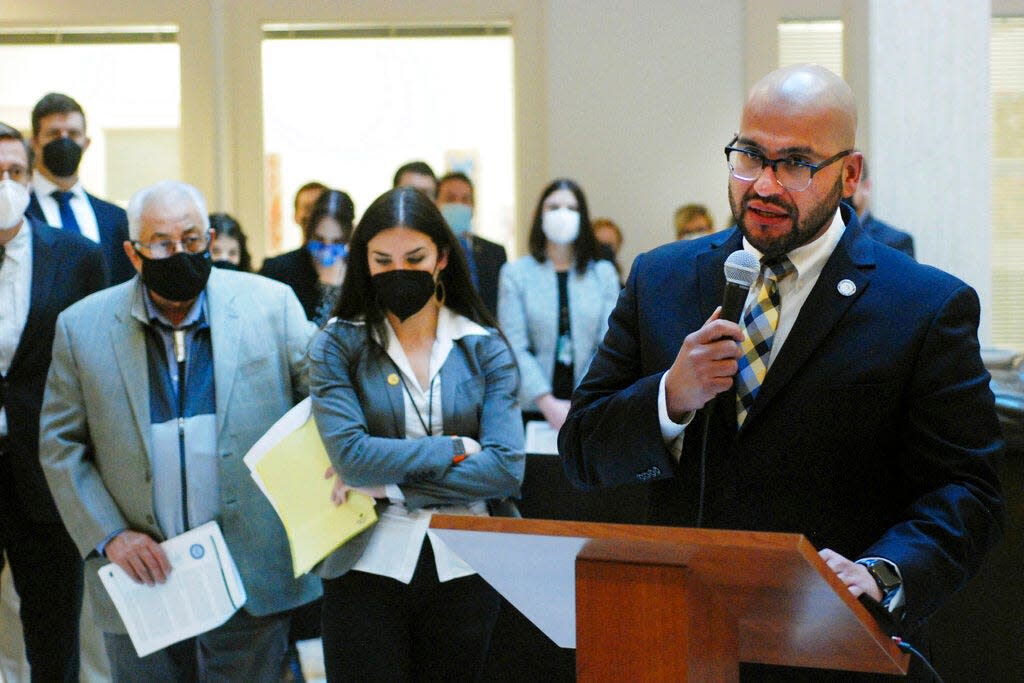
[489, 258]
[886, 234]
[295, 269]
[65, 268]
[112, 222]
[874, 432]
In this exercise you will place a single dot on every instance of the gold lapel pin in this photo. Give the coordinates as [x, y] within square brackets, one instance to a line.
[393, 379]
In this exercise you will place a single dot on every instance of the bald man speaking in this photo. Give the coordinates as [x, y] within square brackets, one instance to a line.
[849, 403]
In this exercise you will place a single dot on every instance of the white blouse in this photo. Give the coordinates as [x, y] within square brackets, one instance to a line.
[394, 547]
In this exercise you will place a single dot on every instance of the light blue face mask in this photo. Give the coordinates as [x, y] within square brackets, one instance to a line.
[458, 216]
[326, 254]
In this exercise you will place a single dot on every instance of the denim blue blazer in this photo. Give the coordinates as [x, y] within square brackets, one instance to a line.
[361, 419]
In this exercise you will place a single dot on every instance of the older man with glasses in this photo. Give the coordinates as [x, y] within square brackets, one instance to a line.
[849, 402]
[157, 389]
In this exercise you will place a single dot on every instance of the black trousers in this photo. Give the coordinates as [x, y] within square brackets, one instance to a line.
[378, 629]
[47, 574]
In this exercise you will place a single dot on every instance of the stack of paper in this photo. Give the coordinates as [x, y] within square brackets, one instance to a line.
[288, 464]
[540, 438]
[202, 591]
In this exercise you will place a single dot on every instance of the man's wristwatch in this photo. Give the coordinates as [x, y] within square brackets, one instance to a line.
[886, 578]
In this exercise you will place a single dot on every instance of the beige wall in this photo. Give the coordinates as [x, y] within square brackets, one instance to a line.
[641, 100]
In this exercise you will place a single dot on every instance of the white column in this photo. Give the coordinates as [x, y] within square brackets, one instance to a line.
[922, 82]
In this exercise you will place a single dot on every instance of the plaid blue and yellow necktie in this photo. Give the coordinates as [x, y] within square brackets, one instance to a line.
[760, 321]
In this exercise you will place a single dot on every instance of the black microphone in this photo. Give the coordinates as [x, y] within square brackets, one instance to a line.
[741, 271]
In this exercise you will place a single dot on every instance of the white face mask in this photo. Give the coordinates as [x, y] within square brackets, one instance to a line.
[13, 202]
[561, 226]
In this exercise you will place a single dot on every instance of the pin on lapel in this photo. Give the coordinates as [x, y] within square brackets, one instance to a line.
[846, 288]
[393, 379]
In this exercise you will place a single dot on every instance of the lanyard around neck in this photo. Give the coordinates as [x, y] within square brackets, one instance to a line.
[427, 424]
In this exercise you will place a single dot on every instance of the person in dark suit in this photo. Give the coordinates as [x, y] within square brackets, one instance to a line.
[42, 272]
[455, 199]
[58, 198]
[879, 230]
[872, 430]
[315, 270]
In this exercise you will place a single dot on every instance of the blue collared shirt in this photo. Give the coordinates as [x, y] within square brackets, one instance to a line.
[175, 437]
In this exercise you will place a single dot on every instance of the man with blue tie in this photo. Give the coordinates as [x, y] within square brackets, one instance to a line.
[42, 271]
[58, 199]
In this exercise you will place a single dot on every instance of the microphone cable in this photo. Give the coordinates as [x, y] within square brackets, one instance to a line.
[907, 647]
[709, 410]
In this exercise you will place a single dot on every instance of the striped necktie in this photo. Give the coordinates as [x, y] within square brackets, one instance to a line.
[760, 321]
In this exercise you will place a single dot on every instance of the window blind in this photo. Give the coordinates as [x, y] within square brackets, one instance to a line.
[1007, 74]
[813, 42]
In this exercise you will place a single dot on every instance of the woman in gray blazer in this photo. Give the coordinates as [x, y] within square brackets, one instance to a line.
[554, 303]
[414, 394]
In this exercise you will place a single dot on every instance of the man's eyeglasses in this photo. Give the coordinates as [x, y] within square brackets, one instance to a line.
[793, 174]
[159, 249]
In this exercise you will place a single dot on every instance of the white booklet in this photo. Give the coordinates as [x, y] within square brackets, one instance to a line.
[541, 438]
[202, 591]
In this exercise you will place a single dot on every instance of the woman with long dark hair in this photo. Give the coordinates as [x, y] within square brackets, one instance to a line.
[414, 395]
[554, 303]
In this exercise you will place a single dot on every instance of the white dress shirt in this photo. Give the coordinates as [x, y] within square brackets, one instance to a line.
[80, 206]
[394, 548]
[808, 260]
[15, 296]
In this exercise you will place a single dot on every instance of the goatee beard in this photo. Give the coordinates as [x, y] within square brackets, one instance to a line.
[802, 231]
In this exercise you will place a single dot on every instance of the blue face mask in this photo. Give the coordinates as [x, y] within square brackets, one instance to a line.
[326, 254]
[458, 216]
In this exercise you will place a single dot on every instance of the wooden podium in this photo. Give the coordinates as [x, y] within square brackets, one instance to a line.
[666, 603]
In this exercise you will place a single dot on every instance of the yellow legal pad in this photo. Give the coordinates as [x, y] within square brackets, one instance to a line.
[292, 474]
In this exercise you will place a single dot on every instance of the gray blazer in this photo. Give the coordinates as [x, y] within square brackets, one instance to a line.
[528, 313]
[95, 426]
[361, 418]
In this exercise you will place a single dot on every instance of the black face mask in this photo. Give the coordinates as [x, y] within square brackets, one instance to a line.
[179, 277]
[62, 156]
[225, 265]
[404, 292]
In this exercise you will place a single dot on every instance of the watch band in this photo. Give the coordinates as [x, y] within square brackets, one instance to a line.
[886, 577]
[458, 450]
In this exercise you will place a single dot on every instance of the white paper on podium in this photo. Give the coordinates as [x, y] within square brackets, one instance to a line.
[537, 574]
[540, 438]
[202, 591]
